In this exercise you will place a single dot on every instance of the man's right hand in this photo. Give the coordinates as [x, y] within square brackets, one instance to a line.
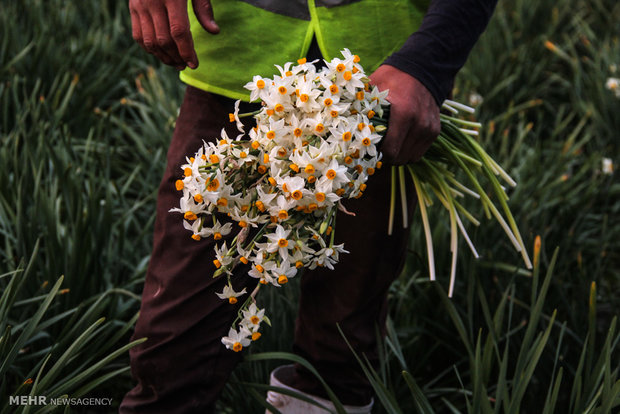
[161, 27]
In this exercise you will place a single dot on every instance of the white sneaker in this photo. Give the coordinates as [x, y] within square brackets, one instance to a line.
[290, 405]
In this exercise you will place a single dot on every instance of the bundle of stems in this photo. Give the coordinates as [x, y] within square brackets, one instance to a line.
[455, 149]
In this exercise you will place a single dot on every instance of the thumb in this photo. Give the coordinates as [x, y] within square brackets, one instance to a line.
[204, 12]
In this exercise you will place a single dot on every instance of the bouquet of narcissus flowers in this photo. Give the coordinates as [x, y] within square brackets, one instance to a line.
[314, 146]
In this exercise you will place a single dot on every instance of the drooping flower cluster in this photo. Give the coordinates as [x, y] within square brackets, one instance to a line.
[313, 145]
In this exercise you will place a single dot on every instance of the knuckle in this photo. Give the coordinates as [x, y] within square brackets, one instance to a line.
[185, 55]
[178, 31]
[149, 44]
[165, 42]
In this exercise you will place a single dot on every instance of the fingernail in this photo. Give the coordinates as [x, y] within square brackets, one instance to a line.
[192, 65]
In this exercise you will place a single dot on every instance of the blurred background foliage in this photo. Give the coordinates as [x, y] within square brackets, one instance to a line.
[85, 119]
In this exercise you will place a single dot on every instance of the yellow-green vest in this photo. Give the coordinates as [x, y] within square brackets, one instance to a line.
[256, 34]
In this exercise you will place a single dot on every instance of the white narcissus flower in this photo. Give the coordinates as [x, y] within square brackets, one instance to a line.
[291, 186]
[230, 294]
[366, 141]
[252, 317]
[613, 84]
[328, 256]
[307, 97]
[279, 242]
[260, 269]
[256, 87]
[286, 70]
[236, 340]
[302, 255]
[283, 272]
[281, 207]
[265, 198]
[243, 155]
[272, 131]
[222, 258]
[244, 255]
[189, 208]
[378, 99]
[219, 230]
[234, 117]
[324, 195]
[198, 231]
[335, 174]
[244, 219]
[296, 131]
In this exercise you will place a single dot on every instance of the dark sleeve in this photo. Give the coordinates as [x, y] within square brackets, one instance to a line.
[438, 50]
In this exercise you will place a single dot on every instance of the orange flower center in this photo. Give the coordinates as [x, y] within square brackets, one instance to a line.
[297, 194]
[213, 185]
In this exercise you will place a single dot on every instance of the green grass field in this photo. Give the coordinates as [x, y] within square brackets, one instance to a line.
[85, 119]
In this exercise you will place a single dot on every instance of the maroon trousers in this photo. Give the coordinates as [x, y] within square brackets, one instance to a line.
[183, 366]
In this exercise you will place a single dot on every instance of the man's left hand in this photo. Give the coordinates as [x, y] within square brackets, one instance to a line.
[414, 116]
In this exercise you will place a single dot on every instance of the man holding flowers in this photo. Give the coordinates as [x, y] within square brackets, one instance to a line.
[417, 50]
